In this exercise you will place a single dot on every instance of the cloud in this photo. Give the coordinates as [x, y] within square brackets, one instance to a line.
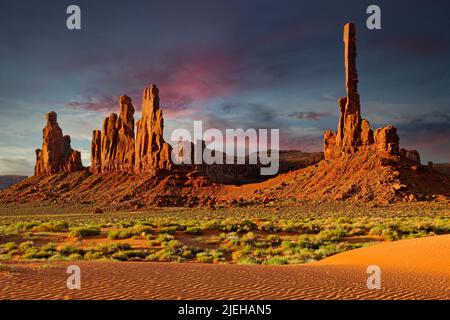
[421, 46]
[310, 115]
[15, 166]
[429, 133]
[99, 103]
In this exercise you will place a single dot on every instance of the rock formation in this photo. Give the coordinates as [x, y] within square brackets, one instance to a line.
[115, 147]
[386, 140]
[56, 155]
[413, 155]
[354, 133]
[152, 152]
[112, 149]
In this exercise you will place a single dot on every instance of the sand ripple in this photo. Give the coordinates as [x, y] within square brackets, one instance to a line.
[411, 269]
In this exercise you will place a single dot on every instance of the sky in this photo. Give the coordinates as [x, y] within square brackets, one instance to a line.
[232, 64]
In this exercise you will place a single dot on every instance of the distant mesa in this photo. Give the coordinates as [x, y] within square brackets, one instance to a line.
[9, 180]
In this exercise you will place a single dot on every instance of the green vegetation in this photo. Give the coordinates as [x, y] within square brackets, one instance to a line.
[235, 235]
[83, 232]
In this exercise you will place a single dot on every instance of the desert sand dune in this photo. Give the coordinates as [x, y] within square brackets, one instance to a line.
[411, 269]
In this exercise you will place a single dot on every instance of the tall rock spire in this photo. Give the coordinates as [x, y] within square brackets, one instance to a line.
[56, 155]
[354, 133]
[112, 149]
[348, 136]
[152, 152]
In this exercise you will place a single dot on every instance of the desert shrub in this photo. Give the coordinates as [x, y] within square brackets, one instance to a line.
[120, 234]
[210, 225]
[248, 237]
[5, 256]
[290, 227]
[109, 249]
[124, 224]
[169, 230]
[164, 237]
[194, 230]
[204, 257]
[35, 253]
[269, 227]
[82, 232]
[26, 245]
[218, 256]
[23, 226]
[334, 235]
[57, 257]
[276, 260]
[260, 244]
[94, 255]
[248, 260]
[52, 226]
[128, 254]
[69, 250]
[75, 257]
[273, 239]
[235, 226]
[8, 247]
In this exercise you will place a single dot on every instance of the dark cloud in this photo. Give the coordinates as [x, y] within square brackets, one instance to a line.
[310, 115]
[429, 133]
[99, 104]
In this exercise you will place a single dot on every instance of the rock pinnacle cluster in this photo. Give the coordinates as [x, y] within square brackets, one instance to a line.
[354, 133]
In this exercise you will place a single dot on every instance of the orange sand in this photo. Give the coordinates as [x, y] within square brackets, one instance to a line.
[411, 269]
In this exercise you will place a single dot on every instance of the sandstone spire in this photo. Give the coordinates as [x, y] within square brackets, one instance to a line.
[354, 133]
[348, 135]
[112, 149]
[152, 152]
[56, 155]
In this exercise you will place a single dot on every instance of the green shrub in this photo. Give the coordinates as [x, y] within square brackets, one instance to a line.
[248, 260]
[69, 250]
[194, 230]
[83, 232]
[52, 226]
[94, 255]
[204, 257]
[276, 260]
[169, 230]
[109, 249]
[248, 237]
[120, 234]
[75, 257]
[269, 227]
[8, 247]
[128, 254]
[273, 239]
[26, 245]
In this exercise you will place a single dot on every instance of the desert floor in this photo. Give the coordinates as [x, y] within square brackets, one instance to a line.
[411, 269]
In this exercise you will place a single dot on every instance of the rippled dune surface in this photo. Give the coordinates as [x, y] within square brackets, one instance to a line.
[410, 269]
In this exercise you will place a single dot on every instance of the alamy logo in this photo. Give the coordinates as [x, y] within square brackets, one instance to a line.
[73, 21]
[374, 20]
[74, 280]
[236, 147]
[374, 280]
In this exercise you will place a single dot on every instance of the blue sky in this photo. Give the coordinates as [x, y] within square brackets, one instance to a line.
[232, 64]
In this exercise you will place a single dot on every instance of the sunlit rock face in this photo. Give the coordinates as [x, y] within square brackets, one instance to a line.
[56, 155]
[354, 133]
